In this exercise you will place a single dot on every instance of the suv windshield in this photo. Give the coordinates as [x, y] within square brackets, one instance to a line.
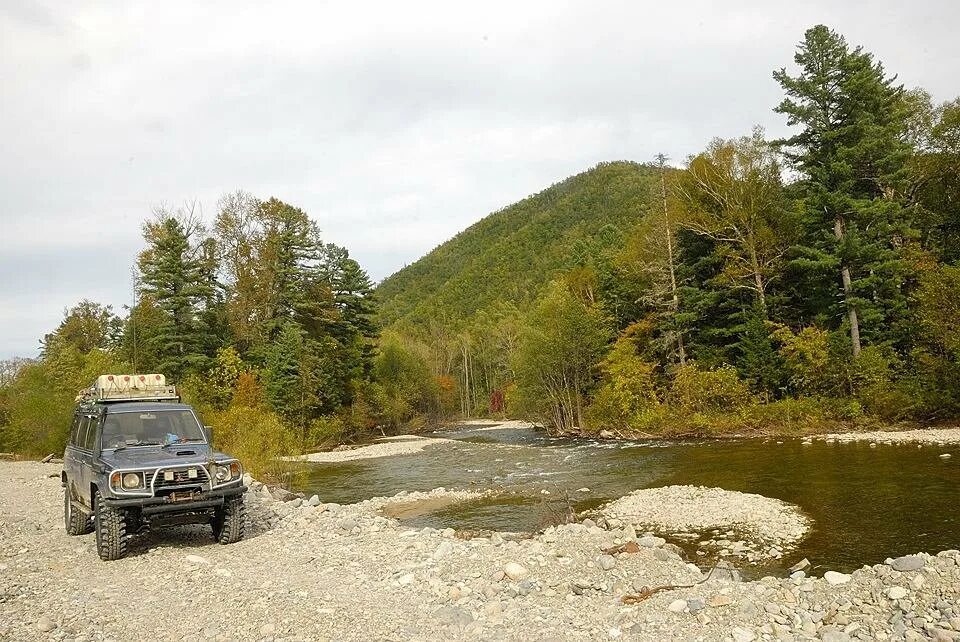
[150, 428]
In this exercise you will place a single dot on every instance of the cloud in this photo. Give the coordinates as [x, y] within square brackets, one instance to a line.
[395, 125]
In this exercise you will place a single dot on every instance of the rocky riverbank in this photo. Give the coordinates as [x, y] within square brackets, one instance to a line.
[932, 436]
[312, 570]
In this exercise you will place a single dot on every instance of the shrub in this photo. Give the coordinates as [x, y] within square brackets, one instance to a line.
[697, 391]
[257, 437]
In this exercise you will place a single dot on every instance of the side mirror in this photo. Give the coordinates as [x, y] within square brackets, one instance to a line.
[208, 433]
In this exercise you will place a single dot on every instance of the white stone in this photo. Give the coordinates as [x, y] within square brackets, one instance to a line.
[196, 559]
[515, 571]
[741, 634]
[677, 606]
[897, 592]
[835, 579]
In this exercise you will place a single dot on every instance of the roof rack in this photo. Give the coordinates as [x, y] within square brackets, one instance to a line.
[129, 387]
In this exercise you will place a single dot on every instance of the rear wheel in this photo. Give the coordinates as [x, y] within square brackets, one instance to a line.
[111, 528]
[228, 520]
[76, 522]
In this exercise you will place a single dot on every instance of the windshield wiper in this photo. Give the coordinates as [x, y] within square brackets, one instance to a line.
[183, 441]
[139, 443]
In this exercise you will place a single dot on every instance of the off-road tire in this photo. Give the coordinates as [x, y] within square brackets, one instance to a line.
[229, 520]
[76, 522]
[110, 525]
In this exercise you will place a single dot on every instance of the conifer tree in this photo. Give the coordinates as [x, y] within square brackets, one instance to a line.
[852, 154]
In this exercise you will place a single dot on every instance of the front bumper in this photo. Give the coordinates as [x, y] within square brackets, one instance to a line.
[155, 505]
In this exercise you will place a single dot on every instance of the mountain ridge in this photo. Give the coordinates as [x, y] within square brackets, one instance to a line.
[510, 254]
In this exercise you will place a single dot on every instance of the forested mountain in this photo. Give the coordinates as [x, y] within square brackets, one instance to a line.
[510, 255]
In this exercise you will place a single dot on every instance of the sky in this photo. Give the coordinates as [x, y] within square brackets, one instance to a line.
[393, 124]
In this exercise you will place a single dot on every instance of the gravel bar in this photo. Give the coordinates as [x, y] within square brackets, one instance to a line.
[311, 570]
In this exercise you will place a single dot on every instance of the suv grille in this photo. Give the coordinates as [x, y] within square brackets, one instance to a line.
[179, 479]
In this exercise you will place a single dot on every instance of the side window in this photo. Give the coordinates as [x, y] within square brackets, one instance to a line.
[91, 435]
[74, 430]
[82, 431]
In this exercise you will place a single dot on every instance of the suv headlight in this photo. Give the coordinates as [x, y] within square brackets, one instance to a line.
[131, 481]
[224, 473]
[127, 481]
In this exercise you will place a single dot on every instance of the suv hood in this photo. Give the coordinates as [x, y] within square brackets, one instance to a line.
[156, 456]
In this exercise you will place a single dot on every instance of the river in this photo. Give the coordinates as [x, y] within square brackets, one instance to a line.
[867, 502]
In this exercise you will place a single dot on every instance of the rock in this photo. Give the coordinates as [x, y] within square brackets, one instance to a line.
[606, 562]
[907, 563]
[833, 634]
[196, 560]
[496, 539]
[651, 541]
[268, 630]
[443, 550]
[406, 579]
[695, 604]
[800, 566]
[720, 600]
[454, 616]
[314, 500]
[347, 524]
[296, 502]
[677, 606]
[945, 456]
[897, 592]
[741, 634]
[835, 579]
[45, 624]
[515, 571]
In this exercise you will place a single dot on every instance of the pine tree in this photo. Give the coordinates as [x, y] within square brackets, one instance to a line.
[175, 277]
[852, 154]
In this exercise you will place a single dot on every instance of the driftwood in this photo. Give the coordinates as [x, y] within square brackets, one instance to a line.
[47, 459]
[648, 591]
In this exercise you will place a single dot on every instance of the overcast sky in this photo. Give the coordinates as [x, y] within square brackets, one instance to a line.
[393, 124]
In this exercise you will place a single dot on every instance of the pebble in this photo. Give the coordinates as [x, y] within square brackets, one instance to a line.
[720, 600]
[677, 606]
[606, 562]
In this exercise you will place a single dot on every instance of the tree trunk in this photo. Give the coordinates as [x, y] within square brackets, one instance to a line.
[758, 278]
[848, 293]
[668, 234]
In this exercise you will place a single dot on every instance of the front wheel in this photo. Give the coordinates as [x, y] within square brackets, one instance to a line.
[76, 522]
[228, 520]
[110, 525]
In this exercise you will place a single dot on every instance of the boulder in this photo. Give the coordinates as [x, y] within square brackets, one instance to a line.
[907, 563]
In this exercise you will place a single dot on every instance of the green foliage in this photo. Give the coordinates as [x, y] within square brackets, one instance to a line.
[406, 386]
[701, 391]
[178, 279]
[256, 436]
[559, 347]
[628, 387]
[853, 154]
[511, 254]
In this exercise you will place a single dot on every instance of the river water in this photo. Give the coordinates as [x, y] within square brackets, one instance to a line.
[867, 503]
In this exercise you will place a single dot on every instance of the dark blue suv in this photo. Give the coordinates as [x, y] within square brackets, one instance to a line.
[137, 458]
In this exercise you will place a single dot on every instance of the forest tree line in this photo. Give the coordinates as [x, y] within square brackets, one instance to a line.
[767, 285]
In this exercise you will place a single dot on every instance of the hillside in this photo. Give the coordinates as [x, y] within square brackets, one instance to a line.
[509, 255]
